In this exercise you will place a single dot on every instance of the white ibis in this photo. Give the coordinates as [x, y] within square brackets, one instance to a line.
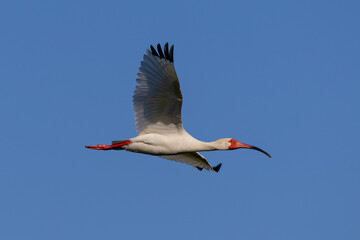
[157, 105]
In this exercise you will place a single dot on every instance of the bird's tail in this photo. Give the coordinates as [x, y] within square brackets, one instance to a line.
[120, 142]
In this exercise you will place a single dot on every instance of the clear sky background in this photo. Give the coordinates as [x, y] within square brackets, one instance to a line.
[281, 75]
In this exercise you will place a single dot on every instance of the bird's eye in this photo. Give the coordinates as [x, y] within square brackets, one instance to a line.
[233, 141]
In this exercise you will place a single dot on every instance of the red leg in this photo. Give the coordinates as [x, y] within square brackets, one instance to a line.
[108, 147]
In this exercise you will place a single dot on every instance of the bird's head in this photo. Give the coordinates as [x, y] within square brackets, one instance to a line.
[232, 144]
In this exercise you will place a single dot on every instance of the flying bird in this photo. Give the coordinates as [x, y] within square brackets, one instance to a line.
[157, 104]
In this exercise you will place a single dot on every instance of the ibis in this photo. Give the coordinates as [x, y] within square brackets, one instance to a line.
[157, 104]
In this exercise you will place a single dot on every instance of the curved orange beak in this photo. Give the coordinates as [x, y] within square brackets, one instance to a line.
[236, 144]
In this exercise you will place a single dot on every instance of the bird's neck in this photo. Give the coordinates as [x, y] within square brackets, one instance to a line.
[197, 145]
[209, 146]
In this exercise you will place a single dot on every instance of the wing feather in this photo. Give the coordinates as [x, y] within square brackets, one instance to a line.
[157, 97]
[153, 51]
[194, 159]
[160, 51]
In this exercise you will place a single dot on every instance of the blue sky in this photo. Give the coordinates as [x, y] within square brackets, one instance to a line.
[281, 75]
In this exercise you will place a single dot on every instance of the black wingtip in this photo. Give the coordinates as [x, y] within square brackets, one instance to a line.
[168, 55]
[217, 168]
[161, 54]
[200, 169]
[172, 54]
[166, 51]
[153, 51]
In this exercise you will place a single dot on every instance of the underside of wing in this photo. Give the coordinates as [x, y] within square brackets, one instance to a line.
[194, 159]
[157, 97]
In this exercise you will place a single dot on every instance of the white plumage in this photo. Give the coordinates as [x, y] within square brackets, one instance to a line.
[157, 105]
[157, 97]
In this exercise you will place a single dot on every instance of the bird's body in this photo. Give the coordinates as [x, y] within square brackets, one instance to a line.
[157, 105]
[157, 144]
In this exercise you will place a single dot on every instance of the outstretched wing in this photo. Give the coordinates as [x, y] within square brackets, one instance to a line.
[157, 97]
[194, 159]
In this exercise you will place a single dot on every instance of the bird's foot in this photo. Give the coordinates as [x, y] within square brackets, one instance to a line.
[117, 146]
[100, 147]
